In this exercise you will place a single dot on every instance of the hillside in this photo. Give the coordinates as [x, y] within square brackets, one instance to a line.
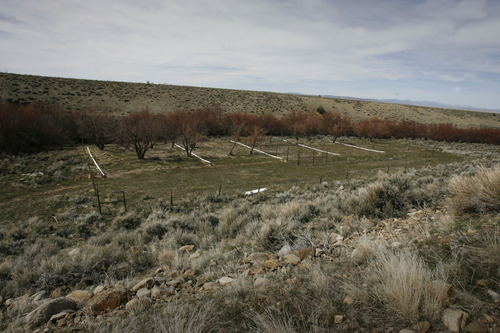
[124, 97]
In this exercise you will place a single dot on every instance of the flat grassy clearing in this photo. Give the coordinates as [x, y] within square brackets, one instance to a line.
[167, 172]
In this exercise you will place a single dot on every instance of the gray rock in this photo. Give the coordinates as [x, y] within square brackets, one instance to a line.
[143, 292]
[454, 320]
[44, 312]
[147, 282]
[107, 300]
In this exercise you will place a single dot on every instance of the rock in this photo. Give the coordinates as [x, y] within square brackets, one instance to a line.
[195, 255]
[338, 319]
[476, 327]
[186, 248]
[406, 331]
[358, 255]
[209, 286]
[260, 281]
[272, 263]
[42, 314]
[225, 280]
[256, 269]
[483, 283]
[147, 282]
[348, 300]
[305, 252]
[286, 249]
[60, 315]
[397, 245]
[257, 258]
[75, 252]
[56, 293]
[454, 320]
[494, 295]
[80, 297]
[155, 292]
[335, 238]
[422, 327]
[39, 296]
[143, 292]
[107, 300]
[99, 289]
[292, 259]
[136, 304]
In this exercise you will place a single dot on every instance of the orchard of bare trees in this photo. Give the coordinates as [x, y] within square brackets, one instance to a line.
[39, 126]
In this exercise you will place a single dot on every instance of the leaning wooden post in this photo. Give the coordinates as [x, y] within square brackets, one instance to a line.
[171, 201]
[124, 201]
[220, 189]
[98, 201]
[287, 152]
[298, 157]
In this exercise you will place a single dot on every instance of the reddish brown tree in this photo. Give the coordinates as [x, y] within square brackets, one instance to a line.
[141, 130]
[97, 128]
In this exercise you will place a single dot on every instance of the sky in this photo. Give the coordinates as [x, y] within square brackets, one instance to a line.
[446, 51]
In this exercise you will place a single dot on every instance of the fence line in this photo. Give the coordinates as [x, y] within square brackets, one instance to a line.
[259, 151]
[103, 175]
[373, 150]
[198, 157]
[320, 150]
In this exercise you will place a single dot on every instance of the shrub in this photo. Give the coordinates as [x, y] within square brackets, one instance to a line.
[476, 194]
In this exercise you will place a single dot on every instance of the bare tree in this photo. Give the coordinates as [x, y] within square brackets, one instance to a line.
[142, 130]
[98, 128]
[255, 132]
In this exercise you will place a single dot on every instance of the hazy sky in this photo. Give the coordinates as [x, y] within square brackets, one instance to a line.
[439, 50]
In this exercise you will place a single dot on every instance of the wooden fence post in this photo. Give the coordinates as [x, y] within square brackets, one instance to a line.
[124, 201]
[98, 201]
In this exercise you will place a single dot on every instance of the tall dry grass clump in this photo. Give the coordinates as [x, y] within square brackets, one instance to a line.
[476, 194]
[404, 285]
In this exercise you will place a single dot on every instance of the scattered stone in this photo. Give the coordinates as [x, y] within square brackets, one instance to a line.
[155, 292]
[286, 249]
[358, 255]
[454, 320]
[483, 283]
[305, 252]
[186, 248]
[44, 312]
[200, 282]
[396, 245]
[422, 327]
[494, 295]
[80, 297]
[99, 289]
[56, 293]
[147, 282]
[476, 327]
[195, 255]
[257, 257]
[225, 280]
[107, 300]
[259, 281]
[335, 238]
[292, 259]
[39, 296]
[406, 331]
[136, 304]
[348, 300]
[442, 286]
[143, 292]
[338, 319]
[75, 252]
[256, 269]
[60, 315]
[209, 286]
[188, 273]
[272, 263]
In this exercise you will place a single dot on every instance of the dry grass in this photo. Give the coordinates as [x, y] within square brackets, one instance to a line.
[476, 194]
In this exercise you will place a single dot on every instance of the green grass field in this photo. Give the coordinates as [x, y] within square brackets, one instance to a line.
[168, 172]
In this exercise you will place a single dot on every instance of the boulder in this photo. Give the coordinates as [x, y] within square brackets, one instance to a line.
[44, 312]
[80, 297]
[143, 292]
[286, 249]
[186, 248]
[107, 300]
[305, 252]
[225, 280]
[292, 259]
[258, 258]
[422, 327]
[476, 327]
[454, 320]
[272, 264]
[147, 282]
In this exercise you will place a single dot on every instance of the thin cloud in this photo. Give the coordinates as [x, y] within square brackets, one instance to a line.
[286, 45]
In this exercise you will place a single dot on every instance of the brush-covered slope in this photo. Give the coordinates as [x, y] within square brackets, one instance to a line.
[124, 97]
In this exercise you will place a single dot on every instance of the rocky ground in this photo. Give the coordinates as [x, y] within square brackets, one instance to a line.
[98, 306]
